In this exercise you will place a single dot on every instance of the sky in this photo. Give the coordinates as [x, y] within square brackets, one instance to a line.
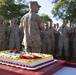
[46, 7]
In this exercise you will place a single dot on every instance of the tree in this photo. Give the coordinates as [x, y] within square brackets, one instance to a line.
[65, 9]
[45, 18]
[13, 8]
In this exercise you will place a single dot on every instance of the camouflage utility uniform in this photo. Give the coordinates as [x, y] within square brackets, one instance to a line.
[2, 37]
[52, 32]
[63, 40]
[14, 41]
[46, 41]
[32, 24]
[74, 44]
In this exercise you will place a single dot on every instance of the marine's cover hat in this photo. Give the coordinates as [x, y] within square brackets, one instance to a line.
[34, 3]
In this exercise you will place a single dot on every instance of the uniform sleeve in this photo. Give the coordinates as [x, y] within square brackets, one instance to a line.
[55, 31]
[40, 23]
[41, 35]
[68, 31]
[21, 26]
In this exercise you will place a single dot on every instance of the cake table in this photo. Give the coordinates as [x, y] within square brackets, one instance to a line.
[48, 70]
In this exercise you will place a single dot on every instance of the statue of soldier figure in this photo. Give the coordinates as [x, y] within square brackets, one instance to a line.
[32, 24]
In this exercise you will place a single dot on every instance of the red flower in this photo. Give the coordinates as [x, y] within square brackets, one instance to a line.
[35, 56]
[29, 57]
[21, 56]
[16, 51]
[11, 50]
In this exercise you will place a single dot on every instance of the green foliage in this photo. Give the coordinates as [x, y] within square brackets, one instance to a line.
[45, 18]
[65, 9]
[10, 9]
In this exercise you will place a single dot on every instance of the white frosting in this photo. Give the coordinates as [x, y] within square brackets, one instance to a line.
[21, 62]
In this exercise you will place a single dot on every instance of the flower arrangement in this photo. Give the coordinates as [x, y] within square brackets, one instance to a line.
[29, 57]
[14, 51]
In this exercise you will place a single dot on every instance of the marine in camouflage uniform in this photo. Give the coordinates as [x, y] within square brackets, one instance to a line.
[74, 44]
[2, 34]
[46, 40]
[7, 38]
[21, 37]
[53, 32]
[63, 39]
[32, 24]
[56, 39]
[71, 37]
[14, 40]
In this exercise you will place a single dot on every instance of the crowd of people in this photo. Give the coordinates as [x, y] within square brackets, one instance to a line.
[59, 40]
[38, 37]
[9, 35]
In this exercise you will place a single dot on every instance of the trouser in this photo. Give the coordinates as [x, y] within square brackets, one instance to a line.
[56, 47]
[53, 45]
[65, 46]
[46, 48]
[14, 45]
[71, 48]
[2, 45]
[74, 48]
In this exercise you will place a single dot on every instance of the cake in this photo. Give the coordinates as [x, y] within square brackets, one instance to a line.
[29, 60]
